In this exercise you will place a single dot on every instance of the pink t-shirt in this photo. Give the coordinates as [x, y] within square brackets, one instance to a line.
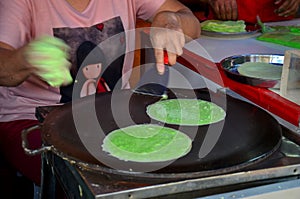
[24, 20]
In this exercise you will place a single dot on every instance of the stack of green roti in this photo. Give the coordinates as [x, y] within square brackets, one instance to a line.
[224, 26]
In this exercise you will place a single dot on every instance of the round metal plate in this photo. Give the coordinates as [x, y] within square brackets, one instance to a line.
[231, 64]
[251, 31]
[228, 35]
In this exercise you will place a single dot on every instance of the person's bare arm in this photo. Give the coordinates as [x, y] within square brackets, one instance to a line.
[14, 68]
[173, 25]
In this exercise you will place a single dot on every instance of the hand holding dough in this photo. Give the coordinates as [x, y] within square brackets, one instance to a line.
[49, 56]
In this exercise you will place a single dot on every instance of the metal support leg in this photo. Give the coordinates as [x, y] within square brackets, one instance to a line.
[48, 186]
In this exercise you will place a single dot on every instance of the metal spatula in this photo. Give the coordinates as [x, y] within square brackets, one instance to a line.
[264, 27]
[152, 83]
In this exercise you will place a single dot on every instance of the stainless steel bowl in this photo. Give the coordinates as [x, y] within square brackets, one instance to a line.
[231, 64]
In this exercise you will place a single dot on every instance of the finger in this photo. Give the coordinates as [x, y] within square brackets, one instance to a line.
[284, 8]
[174, 50]
[288, 12]
[276, 2]
[159, 57]
[223, 12]
[228, 12]
[288, 9]
[176, 46]
[181, 41]
[172, 57]
[216, 8]
[213, 5]
[234, 11]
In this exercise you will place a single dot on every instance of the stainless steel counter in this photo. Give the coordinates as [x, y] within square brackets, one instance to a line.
[216, 49]
[283, 190]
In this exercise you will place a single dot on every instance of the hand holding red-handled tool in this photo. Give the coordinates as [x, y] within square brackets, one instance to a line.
[169, 38]
[171, 27]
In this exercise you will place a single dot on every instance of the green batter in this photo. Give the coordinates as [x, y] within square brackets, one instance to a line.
[146, 143]
[260, 70]
[186, 112]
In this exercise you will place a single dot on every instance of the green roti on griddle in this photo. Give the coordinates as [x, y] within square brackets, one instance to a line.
[260, 70]
[146, 143]
[186, 112]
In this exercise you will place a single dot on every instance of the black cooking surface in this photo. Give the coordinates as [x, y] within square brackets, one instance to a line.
[247, 135]
[287, 154]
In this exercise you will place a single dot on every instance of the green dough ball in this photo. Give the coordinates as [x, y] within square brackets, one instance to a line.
[186, 112]
[146, 143]
[58, 79]
[53, 41]
[49, 56]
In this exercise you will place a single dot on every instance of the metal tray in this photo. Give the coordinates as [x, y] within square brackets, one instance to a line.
[251, 31]
[229, 35]
[230, 65]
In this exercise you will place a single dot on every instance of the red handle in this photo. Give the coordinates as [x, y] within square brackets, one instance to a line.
[166, 59]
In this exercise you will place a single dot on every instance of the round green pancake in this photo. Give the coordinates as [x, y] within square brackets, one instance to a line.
[260, 70]
[186, 112]
[146, 143]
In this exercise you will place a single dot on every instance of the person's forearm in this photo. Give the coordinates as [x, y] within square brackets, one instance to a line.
[174, 15]
[185, 20]
[13, 69]
[189, 24]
